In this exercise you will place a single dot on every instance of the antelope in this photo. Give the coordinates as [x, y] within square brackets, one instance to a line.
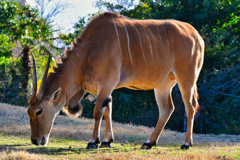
[112, 52]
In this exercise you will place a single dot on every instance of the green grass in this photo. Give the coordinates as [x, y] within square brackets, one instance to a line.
[69, 137]
[62, 148]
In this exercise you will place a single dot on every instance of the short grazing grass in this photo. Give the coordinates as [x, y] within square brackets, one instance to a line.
[69, 137]
[13, 147]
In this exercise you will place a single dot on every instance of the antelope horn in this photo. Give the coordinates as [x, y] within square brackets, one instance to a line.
[34, 89]
[43, 83]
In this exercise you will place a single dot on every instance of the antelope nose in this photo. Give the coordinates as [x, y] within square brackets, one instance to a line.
[34, 141]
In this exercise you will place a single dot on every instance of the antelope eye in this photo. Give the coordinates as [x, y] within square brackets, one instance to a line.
[39, 112]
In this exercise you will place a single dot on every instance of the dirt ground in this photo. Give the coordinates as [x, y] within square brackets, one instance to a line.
[14, 120]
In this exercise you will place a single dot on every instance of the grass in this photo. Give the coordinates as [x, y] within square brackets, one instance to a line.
[13, 146]
[69, 139]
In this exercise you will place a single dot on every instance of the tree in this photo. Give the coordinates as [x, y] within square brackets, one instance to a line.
[21, 24]
[116, 6]
[50, 9]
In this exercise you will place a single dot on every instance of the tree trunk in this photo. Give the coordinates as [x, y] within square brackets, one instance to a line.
[26, 67]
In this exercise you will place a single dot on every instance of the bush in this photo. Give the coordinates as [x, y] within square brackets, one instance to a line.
[10, 81]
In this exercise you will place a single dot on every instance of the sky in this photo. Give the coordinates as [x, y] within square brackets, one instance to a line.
[67, 20]
[81, 8]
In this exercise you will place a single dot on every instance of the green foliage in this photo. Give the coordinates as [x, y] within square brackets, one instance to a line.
[79, 26]
[67, 39]
[115, 6]
[20, 22]
[11, 80]
[22, 25]
[5, 45]
[220, 96]
[131, 106]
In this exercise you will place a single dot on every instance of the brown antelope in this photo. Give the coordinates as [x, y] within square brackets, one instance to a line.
[112, 52]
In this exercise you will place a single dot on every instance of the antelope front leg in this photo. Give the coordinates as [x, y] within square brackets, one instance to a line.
[108, 120]
[102, 105]
[98, 113]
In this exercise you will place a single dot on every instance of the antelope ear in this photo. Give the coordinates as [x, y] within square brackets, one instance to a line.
[56, 94]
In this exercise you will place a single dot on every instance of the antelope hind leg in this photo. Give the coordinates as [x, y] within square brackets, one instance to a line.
[166, 107]
[190, 102]
[190, 111]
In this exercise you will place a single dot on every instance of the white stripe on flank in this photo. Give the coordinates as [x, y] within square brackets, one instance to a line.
[141, 43]
[117, 35]
[128, 41]
[148, 41]
[154, 41]
[161, 39]
[193, 47]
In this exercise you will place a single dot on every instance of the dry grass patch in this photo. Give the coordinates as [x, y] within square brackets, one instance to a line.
[69, 138]
[18, 155]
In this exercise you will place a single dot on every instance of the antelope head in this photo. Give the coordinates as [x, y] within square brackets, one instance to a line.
[43, 109]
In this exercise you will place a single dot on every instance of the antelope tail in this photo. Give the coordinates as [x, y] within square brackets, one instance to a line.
[196, 97]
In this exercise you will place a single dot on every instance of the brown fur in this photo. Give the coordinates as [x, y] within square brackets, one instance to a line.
[114, 51]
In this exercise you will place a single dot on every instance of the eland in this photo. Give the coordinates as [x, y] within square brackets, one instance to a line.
[112, 52]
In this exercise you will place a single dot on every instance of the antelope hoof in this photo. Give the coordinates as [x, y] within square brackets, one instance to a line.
[147, 146]
[93, 145]
[106, 144]
[185, 147]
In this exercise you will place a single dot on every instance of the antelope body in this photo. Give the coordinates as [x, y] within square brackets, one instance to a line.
[113, 52]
